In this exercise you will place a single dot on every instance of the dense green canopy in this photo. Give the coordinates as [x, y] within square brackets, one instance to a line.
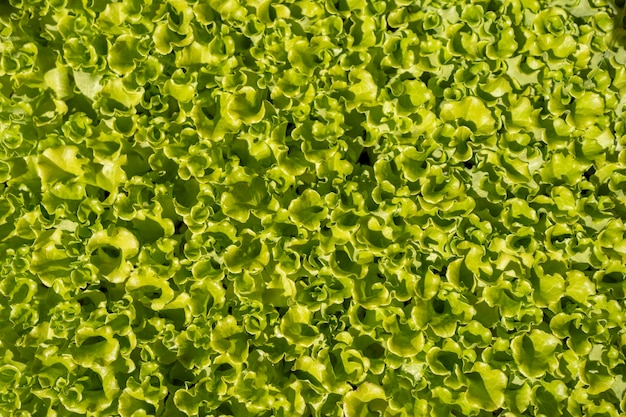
[312, 208]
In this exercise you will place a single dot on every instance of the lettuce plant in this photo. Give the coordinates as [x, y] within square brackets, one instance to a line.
[312, 208]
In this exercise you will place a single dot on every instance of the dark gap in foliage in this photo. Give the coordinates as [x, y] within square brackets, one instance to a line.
[469, 164]
[619, 23]
[303, 375]
[543, 219]
[561, 238]
[289, 129]
[439, 187]
[332, 403]
[620, 371]
[167, 171]
[547, 316]
[149, 91]
[182, 244]
[493, 6]
[438, 306]
[398, 221]
[296, 28]
[155, 293]
[522, 192]
[374, 351]
[103, 289]
[97, 193]
[135, 355]
[292, 151]
[271, 13]
[590, 172]
[286, 229]
[390, 72]
[343, 260]
[389, 27]
[380, 78]
[173, 108]
[581, 266]
[354, 123]
[186, 192]
[180, 227]
[45, 213]
[553, 267]
[148, 408]
[620, 211]
[224, 409]
[522, 242]
[397, 257]
[347, 25]
[543, 188]
[360, 313]
[174, 316]
[224, 367]
[243, 43]
[568, 304]
[281, 311]
[486, 315]
[240, 149]
[538, 103]
[93, 340]
[79, 103]
[87, 304]
[106, 258]
[613, 278]
[441, 271]
[179, 375]
[301, 188]
[209, 111]
[364, 158]
[407, 76]
[136, 164]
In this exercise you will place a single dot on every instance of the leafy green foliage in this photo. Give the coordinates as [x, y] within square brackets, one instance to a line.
[312, 208]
